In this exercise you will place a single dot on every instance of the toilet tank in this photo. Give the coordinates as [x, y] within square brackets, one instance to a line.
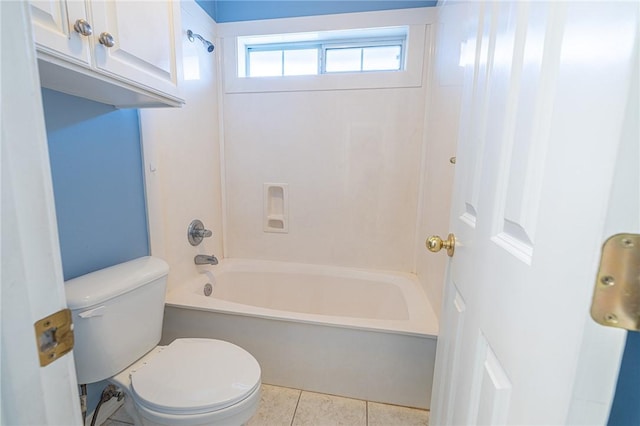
[117, 316]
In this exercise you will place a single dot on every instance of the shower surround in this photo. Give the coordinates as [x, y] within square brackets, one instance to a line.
[354, 163]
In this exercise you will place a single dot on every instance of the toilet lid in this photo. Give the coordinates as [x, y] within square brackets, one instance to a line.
[196, 376]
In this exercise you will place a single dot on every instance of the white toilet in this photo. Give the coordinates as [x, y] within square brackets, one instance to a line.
[117, 317]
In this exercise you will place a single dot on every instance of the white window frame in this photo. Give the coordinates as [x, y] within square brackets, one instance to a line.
[322, 46]
[419, 43]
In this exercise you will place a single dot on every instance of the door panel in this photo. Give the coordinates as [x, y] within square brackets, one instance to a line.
[545, 91]
[476, 81]
[446, 376]
[525, 100]
[493, 388]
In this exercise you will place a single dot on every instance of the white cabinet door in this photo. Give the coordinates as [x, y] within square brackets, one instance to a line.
[547, 92]
[144, 46]
[53, 26]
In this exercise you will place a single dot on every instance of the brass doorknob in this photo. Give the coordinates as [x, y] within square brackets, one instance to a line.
[434, 243]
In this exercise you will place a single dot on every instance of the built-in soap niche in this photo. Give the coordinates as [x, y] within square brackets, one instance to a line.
[276, 207]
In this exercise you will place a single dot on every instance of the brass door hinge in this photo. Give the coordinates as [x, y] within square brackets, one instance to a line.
[616, 298]
[54, 336]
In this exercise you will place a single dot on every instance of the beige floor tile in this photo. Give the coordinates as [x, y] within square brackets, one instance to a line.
[277, 406]
[121, 416]
[316, 409]
[393, 415]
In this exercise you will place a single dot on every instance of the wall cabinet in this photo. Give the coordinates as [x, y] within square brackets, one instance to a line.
[117, 52]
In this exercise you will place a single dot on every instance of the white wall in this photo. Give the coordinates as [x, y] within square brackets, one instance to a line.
[182, 145]
[444, 99]
[351, 159]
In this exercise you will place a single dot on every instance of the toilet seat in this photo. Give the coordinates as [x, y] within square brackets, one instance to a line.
[195, 376]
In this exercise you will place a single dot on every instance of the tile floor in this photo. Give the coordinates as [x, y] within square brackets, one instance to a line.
[292, 407]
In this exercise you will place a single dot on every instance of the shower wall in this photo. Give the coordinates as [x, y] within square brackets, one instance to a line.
[445, 97]
[351, 160]
[352, 163]
[182, 158]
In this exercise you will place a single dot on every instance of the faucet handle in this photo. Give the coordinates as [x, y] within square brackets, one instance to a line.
[204, 233]
[196, 232]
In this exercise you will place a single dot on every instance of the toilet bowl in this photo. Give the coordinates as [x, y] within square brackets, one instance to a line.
[117, 315]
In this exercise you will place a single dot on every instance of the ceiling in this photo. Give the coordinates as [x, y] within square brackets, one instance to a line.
[249, 10]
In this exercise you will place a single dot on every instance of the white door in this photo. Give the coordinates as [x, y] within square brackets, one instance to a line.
[32, 286]
[144, 41]
[545, 106]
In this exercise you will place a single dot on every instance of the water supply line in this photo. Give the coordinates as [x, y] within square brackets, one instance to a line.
[109, 392]
[83, 403]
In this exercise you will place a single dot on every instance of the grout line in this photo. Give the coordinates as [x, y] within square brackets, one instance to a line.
[366, 413]
[296, 409]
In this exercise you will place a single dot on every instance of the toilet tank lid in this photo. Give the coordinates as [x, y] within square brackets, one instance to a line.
[105, 284]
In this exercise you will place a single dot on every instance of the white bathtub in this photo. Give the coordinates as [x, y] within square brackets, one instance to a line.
[349, 332]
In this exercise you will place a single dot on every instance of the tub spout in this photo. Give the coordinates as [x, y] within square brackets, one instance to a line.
[205, 259]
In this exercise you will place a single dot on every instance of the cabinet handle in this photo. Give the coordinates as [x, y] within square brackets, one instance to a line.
[107, 40]
[82, 27]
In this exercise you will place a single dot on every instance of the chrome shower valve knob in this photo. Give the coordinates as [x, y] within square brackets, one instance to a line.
[196, 232]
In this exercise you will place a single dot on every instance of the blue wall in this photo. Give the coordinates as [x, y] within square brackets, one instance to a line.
[96, 166]
[246, 10]
[626, 404]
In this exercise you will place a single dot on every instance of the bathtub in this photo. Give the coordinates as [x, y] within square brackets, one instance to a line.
[348, 332]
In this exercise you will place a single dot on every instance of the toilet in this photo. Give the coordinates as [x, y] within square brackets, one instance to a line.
[117, 317]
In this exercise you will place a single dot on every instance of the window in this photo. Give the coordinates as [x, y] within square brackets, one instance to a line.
[343, 51]
[375, 57]
[363, 58]
[271, 62]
